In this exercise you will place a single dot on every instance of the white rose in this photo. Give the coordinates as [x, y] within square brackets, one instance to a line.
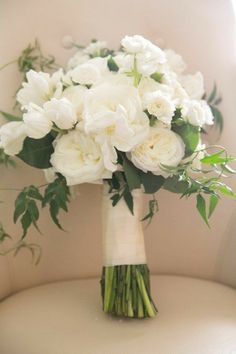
[162, 147]
[61, 112]
[94, 48]
[175, 61]
[39, 88]
[160, 105]
[76, 96]
[12, 136]
[197, 113]
[193, 85]
[78, 158]
[37, 124]
[90, 72]
[113, 113]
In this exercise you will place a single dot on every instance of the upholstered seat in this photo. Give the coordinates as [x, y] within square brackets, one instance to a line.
[195, 317]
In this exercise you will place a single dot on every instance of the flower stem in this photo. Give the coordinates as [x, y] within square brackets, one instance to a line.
[126, 291]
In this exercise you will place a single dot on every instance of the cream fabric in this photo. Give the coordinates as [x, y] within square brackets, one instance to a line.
[195, 317]
[123, 239]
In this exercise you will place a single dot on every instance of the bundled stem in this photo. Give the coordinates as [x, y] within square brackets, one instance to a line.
[126, 291]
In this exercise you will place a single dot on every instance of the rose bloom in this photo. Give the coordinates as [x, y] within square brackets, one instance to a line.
[160, 105]
[162, 147]
[12, 136]
[197, 112]
[78, 158]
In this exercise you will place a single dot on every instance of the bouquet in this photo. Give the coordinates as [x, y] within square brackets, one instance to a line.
[130, 119]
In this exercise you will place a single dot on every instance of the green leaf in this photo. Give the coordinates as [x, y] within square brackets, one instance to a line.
[10, 117]
[20, 206]
[157, 77]
[151, 182]
[173, 184]
[201, 207]
[26, 221]
[213, 158]
[218, 118]
[37, 152]
[190, 135]
[131, 174]
[56, 195]
[214, 199]
[112, 64]
[212, 95]
[129, 200]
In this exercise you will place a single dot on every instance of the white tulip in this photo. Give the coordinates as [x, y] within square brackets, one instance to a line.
[78, 158]
[61, 112]
[37, 124]
[39, 88]
[76, 96]
[113, 114]
[162, 147]
[12, 136]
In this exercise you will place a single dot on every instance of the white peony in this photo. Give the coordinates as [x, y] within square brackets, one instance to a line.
[162, 147]
[175, 61]
[90, 72]
[193, 85]
[12, 136]
[40, 87]
[37, 124]
[197, 112]
[61, 112]
[76, 96]
[160, 105]
[78, 158]
[113, 113]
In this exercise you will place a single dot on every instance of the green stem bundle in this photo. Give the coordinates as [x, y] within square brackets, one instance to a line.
[126, 291]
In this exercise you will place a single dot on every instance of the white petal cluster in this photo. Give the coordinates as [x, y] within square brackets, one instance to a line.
[107, 102]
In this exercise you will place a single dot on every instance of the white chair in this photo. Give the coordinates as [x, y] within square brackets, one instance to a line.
[55, 308]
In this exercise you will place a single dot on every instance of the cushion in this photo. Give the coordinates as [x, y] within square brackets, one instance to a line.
[195, 316]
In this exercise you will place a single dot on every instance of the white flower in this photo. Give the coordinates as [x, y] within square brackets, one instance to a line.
[162, 147]
[194, 85]
[76, 95]
[175, 61]
[147, 55]
[197, 112]
[94, 48]
[160, 105]
[61, 112]
[39, 88]
[78, 58]
[78, 158]
[90, 72]
[12, 136]
[37, 124]
[113, 113]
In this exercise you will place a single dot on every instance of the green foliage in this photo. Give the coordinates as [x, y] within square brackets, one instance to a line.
[213, 100]
[26, 208]
[175, 184]
[134, 73]
[151, 182]
[37, 152]
[6, 160]
[3, 234]
[112, 64]
[153, 209]
[190, 135]
[10, 117]
[157, 77]
[131, 174]
[56, 196]
[33, 58]
[201, 207]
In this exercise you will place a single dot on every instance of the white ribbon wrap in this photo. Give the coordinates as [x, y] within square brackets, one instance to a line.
[123, 239]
